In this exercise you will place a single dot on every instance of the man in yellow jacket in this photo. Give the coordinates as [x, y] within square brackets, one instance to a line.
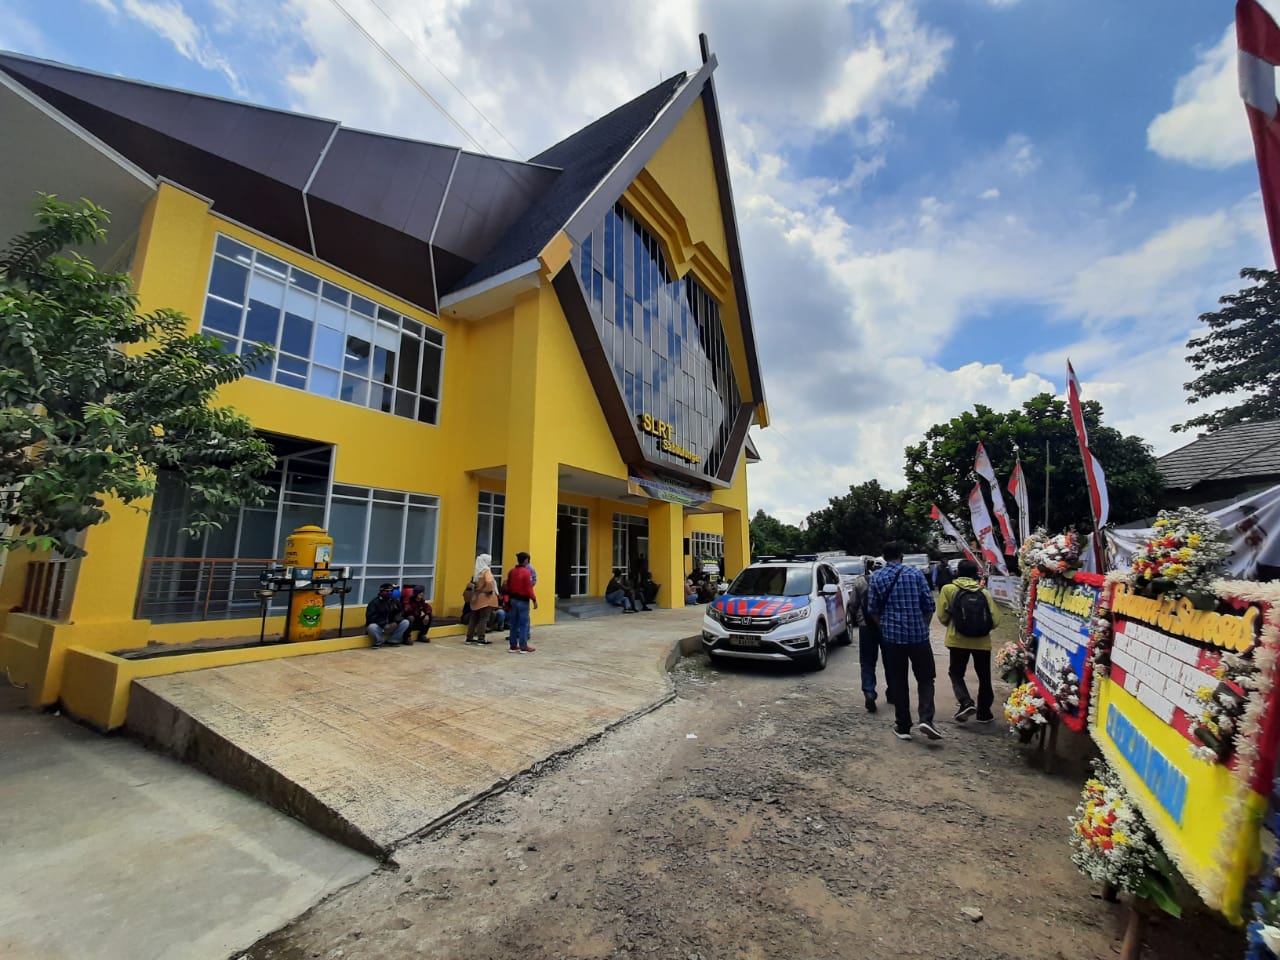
[970, 613]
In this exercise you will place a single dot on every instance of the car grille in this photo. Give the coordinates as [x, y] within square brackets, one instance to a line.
[747, 624]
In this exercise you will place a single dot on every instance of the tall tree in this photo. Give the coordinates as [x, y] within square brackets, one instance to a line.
[1240, 355]
[96, 397]
[863, 520]
[770, 536]
[940, 468]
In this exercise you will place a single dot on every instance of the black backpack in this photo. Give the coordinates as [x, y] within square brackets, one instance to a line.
[970, 614]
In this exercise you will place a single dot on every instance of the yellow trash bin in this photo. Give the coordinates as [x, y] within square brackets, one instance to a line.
[308, 547]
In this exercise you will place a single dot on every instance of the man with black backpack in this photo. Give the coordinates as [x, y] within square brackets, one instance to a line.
[970, 613]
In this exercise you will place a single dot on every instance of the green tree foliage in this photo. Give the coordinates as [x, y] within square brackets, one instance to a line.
[95, 397]
[866, 518]
[770, 537]
[1240, 355]
[940, 468]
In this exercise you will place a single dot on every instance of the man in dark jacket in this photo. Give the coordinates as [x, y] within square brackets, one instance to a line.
[384, 618]
[417, 611]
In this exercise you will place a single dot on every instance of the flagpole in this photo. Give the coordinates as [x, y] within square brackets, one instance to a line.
[1046, 487]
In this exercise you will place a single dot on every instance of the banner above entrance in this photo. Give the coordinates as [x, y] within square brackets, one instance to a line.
[643, 483]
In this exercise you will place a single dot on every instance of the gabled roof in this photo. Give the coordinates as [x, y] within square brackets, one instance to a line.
[584, 159]
[1235, 452]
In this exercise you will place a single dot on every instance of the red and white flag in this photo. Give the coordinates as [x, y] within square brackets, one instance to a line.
[1099, 504]
[950, 530]
[982, 466]
[982, 529]
[1258, 38]
[1018, 487]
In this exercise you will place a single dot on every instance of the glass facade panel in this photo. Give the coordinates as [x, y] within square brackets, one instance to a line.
[669, 350]
[320, 329]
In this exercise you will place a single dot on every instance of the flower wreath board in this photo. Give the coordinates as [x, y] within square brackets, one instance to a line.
[1182, 678]
[1060, 615]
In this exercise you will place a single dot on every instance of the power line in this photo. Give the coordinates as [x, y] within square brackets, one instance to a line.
[408, 76]
[425, 56]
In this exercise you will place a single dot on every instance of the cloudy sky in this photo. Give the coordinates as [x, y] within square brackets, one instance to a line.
[940, 200]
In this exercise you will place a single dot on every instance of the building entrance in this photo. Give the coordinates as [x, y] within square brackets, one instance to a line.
[573, 548]
[630, 543]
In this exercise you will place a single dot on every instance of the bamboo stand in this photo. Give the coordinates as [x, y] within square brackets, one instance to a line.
[1131, 949]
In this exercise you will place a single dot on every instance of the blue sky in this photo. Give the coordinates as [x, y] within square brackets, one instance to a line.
[946, 197]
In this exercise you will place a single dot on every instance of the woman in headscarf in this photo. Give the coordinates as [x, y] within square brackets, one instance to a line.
[484, 597]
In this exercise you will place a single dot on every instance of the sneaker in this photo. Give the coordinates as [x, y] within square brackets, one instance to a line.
[986, 719]
[528, 650]
[871, 704]
[513, 649]
[965, 712]
[902, 734]
[470, 640]
[483, 642]
[929, 730]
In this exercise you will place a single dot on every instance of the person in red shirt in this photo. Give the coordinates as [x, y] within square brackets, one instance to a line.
[520, 590]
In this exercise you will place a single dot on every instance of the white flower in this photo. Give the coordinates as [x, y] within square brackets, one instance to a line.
[1270, 937]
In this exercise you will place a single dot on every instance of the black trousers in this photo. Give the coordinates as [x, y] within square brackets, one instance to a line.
[898, 657]
[982, 667]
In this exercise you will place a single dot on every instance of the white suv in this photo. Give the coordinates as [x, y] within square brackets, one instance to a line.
[779, 610]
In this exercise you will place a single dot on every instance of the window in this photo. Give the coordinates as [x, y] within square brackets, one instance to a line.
[383, 535]
[328, 340]
[706, 546]
[490, 516]
[665, 339]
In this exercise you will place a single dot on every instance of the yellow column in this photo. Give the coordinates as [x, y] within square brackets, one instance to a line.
[737, 542]
[666, 551]
[532, 470]
[455, 561]
[601, 546]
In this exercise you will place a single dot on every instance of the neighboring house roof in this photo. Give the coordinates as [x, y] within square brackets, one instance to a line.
[1235, 452]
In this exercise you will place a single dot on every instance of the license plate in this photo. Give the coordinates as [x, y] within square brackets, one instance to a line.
[743, 640]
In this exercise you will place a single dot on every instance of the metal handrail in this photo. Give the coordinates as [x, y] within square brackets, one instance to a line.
[199, 588]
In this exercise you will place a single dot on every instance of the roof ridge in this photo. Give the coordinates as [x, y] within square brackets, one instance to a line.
[675, 78]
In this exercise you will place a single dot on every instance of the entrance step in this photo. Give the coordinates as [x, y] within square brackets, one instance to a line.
[585, 608]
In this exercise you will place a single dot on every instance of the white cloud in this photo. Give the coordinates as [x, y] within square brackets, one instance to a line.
[19, 33]
[170, 20]
[891, 67]
[1206, 126]
[991, 193]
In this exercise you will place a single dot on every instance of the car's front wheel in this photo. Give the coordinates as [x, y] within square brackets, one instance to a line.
[818, 659]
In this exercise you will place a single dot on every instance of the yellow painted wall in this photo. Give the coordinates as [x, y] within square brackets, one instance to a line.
[683, 166]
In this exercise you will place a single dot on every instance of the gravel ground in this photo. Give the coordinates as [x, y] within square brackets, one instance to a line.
[762, 814]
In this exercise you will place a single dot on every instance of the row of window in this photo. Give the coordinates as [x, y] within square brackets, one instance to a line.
[328, 340]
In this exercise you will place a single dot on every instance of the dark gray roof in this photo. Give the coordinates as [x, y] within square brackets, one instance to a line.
[1242, 450]
[584, 158]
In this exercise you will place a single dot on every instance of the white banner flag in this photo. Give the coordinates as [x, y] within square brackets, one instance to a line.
[982, 465]
[981, 520]
[950, 530]
[1018, 487]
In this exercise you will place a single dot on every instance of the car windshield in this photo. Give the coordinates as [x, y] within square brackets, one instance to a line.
[771, 581]
[848, 568]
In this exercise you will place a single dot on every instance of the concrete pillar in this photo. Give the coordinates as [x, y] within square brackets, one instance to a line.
[737, 542]
[666, 551]
[532, 469]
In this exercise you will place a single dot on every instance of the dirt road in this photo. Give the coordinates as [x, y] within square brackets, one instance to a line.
[793, 826]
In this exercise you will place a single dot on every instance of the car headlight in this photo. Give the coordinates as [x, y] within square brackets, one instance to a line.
[715, 614]
[791, 616]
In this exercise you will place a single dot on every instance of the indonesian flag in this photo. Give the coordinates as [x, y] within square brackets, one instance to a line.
[950, 530]
[1258, 38]
[1018, 487]
[982, 529]
[1097, 480]
[982, 466]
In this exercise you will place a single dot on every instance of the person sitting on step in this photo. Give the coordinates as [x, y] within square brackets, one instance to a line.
[617, 595]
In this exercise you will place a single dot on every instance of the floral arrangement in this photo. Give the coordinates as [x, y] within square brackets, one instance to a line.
[1218, 723]
[1013, 661]
[1264, 931]
[1183, 557]
[1051, 556]
[1112, 843]
[1026, 711]
[1067, 692]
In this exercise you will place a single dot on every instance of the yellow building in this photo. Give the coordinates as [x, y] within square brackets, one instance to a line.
[474, 355]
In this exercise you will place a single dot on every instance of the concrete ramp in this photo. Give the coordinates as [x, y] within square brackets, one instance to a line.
[371, 747]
